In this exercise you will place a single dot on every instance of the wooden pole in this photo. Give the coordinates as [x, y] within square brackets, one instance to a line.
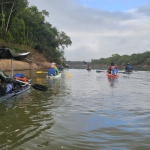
[12, 67]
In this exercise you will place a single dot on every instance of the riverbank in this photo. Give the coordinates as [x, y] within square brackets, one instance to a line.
[5, 65]
[34, 61]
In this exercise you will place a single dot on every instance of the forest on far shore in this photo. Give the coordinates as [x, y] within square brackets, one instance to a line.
[134, 59]
[25, 25]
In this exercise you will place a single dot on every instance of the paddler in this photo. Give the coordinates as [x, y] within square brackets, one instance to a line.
[128, 66]
[54, 66]
[109, 69]
[89, 67]
[67, 66]
[113, 70]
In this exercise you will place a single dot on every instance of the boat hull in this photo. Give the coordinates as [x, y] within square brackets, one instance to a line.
[54, 77]
[110, 75]
[15, 92]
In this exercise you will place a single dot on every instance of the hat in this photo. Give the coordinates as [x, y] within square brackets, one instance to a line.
[53, 63]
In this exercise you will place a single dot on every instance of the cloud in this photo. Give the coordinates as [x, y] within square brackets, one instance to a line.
[97, 33]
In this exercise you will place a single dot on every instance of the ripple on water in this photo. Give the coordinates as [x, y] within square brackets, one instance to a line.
[85, 111]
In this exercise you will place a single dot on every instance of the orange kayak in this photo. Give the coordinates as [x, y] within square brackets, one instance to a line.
[110, 75]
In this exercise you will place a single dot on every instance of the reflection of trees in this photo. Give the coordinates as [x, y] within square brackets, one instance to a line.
[24, 120]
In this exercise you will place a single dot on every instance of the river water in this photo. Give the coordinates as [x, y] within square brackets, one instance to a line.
[85, 111]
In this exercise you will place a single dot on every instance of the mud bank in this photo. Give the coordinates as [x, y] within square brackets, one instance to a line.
[5, 65]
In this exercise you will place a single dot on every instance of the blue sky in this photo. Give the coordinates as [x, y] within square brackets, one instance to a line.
[114, 5]
[100, 28]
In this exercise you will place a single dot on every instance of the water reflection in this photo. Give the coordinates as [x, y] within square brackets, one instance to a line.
[112, 81]
[40, 80]
[83, 111]
[24, 117]
[54, 84]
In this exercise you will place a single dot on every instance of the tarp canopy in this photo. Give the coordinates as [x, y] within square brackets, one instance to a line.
[6, 53]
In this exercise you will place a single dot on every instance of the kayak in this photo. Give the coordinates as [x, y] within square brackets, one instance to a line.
[110, 75]
[98, 71]
[15, 92]
[128, 70]
[53, 77]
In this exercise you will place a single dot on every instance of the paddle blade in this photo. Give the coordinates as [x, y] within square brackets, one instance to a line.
[41, 72]
[39, 87]
[68, 74]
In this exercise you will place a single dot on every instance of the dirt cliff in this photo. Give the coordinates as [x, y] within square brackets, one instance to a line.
[34, 61]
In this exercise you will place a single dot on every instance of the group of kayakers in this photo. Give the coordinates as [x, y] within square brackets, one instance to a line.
[54, 70]
[114, 70]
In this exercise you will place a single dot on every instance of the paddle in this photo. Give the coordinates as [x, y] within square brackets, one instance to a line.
[99, 71]
[37, 87]
[68, 74]
[41, 72]
[84, 62]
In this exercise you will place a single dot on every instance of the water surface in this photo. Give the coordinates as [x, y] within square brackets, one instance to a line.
[85, 111]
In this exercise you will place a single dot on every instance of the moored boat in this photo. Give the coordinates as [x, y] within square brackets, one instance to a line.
[15, 92]
[12, 86]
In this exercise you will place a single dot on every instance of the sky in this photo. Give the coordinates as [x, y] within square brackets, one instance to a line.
[100, 28]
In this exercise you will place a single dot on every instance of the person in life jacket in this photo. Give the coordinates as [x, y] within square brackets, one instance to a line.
[113, 70]
[89, 67]
[128, 66]
[110, 68]
[54, 66]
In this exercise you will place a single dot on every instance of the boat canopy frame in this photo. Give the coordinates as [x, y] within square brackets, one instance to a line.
[6, 53]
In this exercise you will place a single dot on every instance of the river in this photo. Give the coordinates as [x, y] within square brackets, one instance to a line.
[85, 111]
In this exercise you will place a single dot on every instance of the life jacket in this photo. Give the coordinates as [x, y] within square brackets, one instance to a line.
[51, 71]
[129, 66]
[53, 67]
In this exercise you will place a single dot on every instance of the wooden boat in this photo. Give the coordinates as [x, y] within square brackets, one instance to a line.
[54, 77]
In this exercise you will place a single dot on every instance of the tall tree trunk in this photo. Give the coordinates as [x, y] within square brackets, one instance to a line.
[9, 16]
[2, 17]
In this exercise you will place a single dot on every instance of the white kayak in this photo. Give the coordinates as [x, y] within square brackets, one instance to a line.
[53, 77]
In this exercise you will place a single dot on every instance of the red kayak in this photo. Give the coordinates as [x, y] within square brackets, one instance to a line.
[110, 75]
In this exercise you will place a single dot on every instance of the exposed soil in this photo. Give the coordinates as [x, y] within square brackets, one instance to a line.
[34, 61]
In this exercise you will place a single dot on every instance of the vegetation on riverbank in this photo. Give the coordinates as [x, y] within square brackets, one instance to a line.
[134, 59]
[25, 28]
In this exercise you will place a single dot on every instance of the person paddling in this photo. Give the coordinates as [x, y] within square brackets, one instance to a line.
[110, 68]
[54, 66]
[128, 66]
[113, 71]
